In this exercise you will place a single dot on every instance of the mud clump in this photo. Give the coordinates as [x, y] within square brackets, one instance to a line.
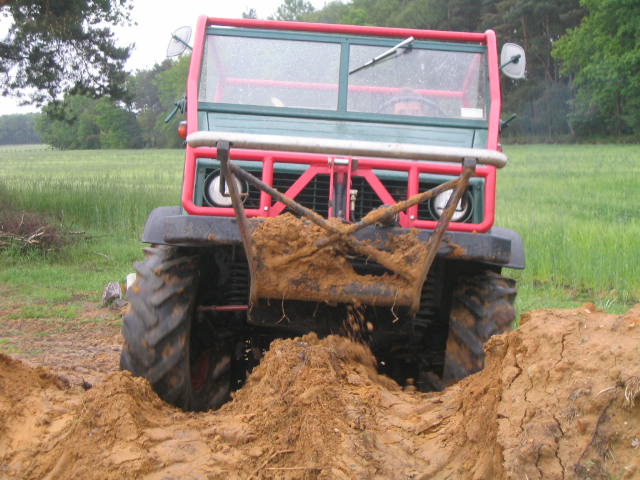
[290, 265]
[558, 398]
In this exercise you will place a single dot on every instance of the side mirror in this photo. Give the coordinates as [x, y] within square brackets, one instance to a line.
[179, 41]
[513, 61]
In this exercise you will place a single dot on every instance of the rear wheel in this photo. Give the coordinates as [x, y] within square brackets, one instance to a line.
[482, 306]
[159, 333]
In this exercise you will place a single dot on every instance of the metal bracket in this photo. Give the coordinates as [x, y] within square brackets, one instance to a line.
[223, 149]
[379, 293]
[468, 170]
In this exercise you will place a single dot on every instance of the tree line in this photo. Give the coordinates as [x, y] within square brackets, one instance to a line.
[84, 122]
[541, 101]
[19, 129]
[583, 56]
[583, 70]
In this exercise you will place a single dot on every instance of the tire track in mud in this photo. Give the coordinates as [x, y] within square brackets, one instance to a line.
[549, 404]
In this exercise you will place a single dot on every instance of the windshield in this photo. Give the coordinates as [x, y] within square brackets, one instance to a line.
[270, 72]
[413, 80]
[418, 82]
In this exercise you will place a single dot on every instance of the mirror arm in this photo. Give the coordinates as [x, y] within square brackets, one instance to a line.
[175, 37]
[514, 59]
[505, 123]
[179, 106]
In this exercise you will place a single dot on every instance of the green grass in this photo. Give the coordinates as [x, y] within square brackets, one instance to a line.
[82, 268]
[107, 195]
[106, 191]
[7, 347]
[67, 311]
[575, 207]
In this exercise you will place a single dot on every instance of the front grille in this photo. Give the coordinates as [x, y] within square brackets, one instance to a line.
[367, 199]
[315, 196]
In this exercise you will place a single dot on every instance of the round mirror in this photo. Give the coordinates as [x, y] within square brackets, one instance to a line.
[513, 61]
[179, 41]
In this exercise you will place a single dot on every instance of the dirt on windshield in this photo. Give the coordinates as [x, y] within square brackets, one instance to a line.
[559, 398]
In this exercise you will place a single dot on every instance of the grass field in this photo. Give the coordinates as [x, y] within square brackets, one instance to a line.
[575, 207]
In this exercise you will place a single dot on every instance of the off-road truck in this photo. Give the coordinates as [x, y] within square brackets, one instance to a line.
[375, 136]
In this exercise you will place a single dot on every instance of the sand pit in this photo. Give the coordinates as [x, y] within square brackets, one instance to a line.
[559, 398]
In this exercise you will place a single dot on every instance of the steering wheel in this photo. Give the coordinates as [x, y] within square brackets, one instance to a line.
[385, 107]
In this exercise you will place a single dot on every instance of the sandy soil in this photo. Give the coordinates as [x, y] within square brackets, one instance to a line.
[559, 398]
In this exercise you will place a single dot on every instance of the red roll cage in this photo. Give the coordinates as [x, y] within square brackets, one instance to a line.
[324, 164]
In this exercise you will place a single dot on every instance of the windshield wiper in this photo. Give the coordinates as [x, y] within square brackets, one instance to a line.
[382, 56]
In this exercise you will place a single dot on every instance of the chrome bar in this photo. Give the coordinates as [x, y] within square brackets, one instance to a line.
[407, 151]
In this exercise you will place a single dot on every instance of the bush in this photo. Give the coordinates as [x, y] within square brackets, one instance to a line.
[25, 231]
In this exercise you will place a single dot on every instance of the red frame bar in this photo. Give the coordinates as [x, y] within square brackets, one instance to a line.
[319, 164]
[349, 169]
[329, 86]
[494, 90]
[348, 29]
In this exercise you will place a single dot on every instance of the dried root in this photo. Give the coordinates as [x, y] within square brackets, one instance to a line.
[631, 391]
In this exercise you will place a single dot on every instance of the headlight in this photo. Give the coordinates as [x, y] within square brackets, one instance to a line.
[213, 194]
[462, 211]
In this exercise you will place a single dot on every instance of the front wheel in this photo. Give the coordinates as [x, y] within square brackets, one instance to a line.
[482, 306]
[158, 330]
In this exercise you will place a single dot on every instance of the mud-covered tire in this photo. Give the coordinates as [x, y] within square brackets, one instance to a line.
[157, 333]
[482, 306]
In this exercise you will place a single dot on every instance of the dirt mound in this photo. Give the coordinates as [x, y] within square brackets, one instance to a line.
[559, 398]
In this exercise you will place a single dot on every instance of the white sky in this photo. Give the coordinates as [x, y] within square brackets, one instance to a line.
[155, 22]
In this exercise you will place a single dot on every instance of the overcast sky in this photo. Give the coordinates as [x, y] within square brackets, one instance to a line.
[155, 22]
